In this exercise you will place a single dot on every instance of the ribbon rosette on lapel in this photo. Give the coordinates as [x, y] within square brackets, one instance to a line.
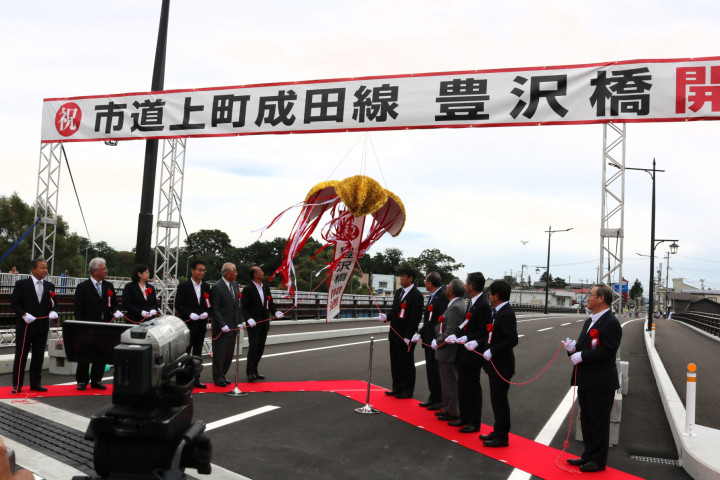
[148, 291]
[490, 328]
[109, 294]
[403, 306]
[430, 309]
[239, 299]
[206, 296]
[52, 295]
[463, 325]
[440, 321]
[595, 339]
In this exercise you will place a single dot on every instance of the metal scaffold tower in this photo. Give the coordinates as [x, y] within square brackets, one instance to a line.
[46, 202]
[612, 226]
[167, 232]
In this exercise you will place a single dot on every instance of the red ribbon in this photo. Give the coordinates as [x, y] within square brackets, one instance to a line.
[109, 294]
[430, 309]
[490, 328]
[206, 296]
[403, 306]
[464, 324]
[148, 291]
[267, 302]
[440, 321]
[595, 336]
[52, 295]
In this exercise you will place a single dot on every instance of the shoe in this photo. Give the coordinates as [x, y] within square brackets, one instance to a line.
[424, 404]
[403, 395]
[591, 467]
[199, 384]
[439, 413]
[38, 388]
[496, 442]
[457, 423]
[221, 383]
[260, 376]
[434, 406]
[447, 418]
[81, 386]
[252, 377]
[98, 386]
[469, 429]
[576, 461]
[390, 393]
[15, 390]
[489, 436]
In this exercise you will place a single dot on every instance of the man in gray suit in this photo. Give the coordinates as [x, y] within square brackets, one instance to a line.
[226, 317]
[446, 353]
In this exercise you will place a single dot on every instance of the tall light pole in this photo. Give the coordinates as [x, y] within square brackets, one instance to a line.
[550, 231]
[522, 272]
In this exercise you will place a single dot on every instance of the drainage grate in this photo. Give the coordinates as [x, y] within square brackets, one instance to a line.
[47, 437]
[663, 461]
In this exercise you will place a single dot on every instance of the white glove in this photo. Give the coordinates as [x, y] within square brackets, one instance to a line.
[407, 341]
[203, 316]
[415, 338]
[487, 354]
[471, 345]
[433, 345]
[53, 315]
[451, 339]
[382, 317]
[251, 323]
[462, 339]
[225, 329]
[279, 315]
[144, 314]
[28, 318]
[153, 312]
[569, 345]
[194, 316]
[576, 358]
[117, 314]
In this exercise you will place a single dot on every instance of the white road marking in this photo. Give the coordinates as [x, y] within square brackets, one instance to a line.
[420, 363]
[543, 329]
[520, 336]
[238, 417]
[565, 324]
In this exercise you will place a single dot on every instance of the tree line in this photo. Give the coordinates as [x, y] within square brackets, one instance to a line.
[214, 247]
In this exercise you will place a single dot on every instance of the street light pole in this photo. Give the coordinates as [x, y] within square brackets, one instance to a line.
[550, 231]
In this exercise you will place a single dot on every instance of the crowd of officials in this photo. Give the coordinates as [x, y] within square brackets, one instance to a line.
[460, 340]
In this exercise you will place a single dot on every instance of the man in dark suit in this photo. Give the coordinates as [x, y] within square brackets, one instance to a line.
[597, 379]
[437, 303]
[33, 304]
[95, 301]
[498, 353]
[225, 320]
[192, 303]
[258, 308]
[469, 363]
[404, 319]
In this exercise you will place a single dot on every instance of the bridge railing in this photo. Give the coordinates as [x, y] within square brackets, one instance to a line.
[707, 322]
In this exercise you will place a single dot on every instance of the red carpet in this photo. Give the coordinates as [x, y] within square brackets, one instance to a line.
[527, 455]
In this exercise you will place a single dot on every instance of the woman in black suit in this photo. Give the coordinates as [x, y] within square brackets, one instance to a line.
[139, 297]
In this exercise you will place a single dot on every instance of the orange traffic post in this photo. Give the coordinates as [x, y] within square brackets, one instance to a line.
[690, 400]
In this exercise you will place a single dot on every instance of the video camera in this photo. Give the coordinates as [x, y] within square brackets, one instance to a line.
[148, 430]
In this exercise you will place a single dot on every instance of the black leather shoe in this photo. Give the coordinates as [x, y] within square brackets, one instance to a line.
[469, 429]
[38, 388]
[98, 386]
[425, 404]
[457, 423]
[439, 413]
[260, 376]
[221, 383]
[496, 442]
[81, 386]
[403, 395]
[434, 406]
[15, 390]
[199, 384]
[591, 467]
[252, 377]
[489, 436]
[390, 392]
[576, 461]
[447, 418]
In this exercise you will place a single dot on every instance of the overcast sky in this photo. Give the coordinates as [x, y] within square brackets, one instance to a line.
[472, 193]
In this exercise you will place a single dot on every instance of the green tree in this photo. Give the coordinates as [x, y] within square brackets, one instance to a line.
[636, 291]
[433, 260]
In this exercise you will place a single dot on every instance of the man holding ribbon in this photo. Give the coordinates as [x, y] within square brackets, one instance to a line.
[226, 319]
[596, 377]
[95, 301]
[192, 303]
[33, 304]
[258, 308]
[404, 318]
[500, 361]
[437, 303]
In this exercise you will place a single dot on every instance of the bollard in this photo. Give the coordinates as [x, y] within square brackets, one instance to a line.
[236, 392]
[690, 400]
[652, 334]
[367, 408]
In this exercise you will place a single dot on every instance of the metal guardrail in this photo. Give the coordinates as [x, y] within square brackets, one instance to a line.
[707, 322]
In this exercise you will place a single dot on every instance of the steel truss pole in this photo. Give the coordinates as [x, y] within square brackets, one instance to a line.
[46, 200]
[167, 233]
[612, 220]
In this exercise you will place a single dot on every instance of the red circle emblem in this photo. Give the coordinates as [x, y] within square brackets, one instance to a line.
[67, 119]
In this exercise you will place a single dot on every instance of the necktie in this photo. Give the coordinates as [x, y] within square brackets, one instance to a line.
[232, 293]
[97, 287]
[492, 319]
[39, 290]
[469, 307]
